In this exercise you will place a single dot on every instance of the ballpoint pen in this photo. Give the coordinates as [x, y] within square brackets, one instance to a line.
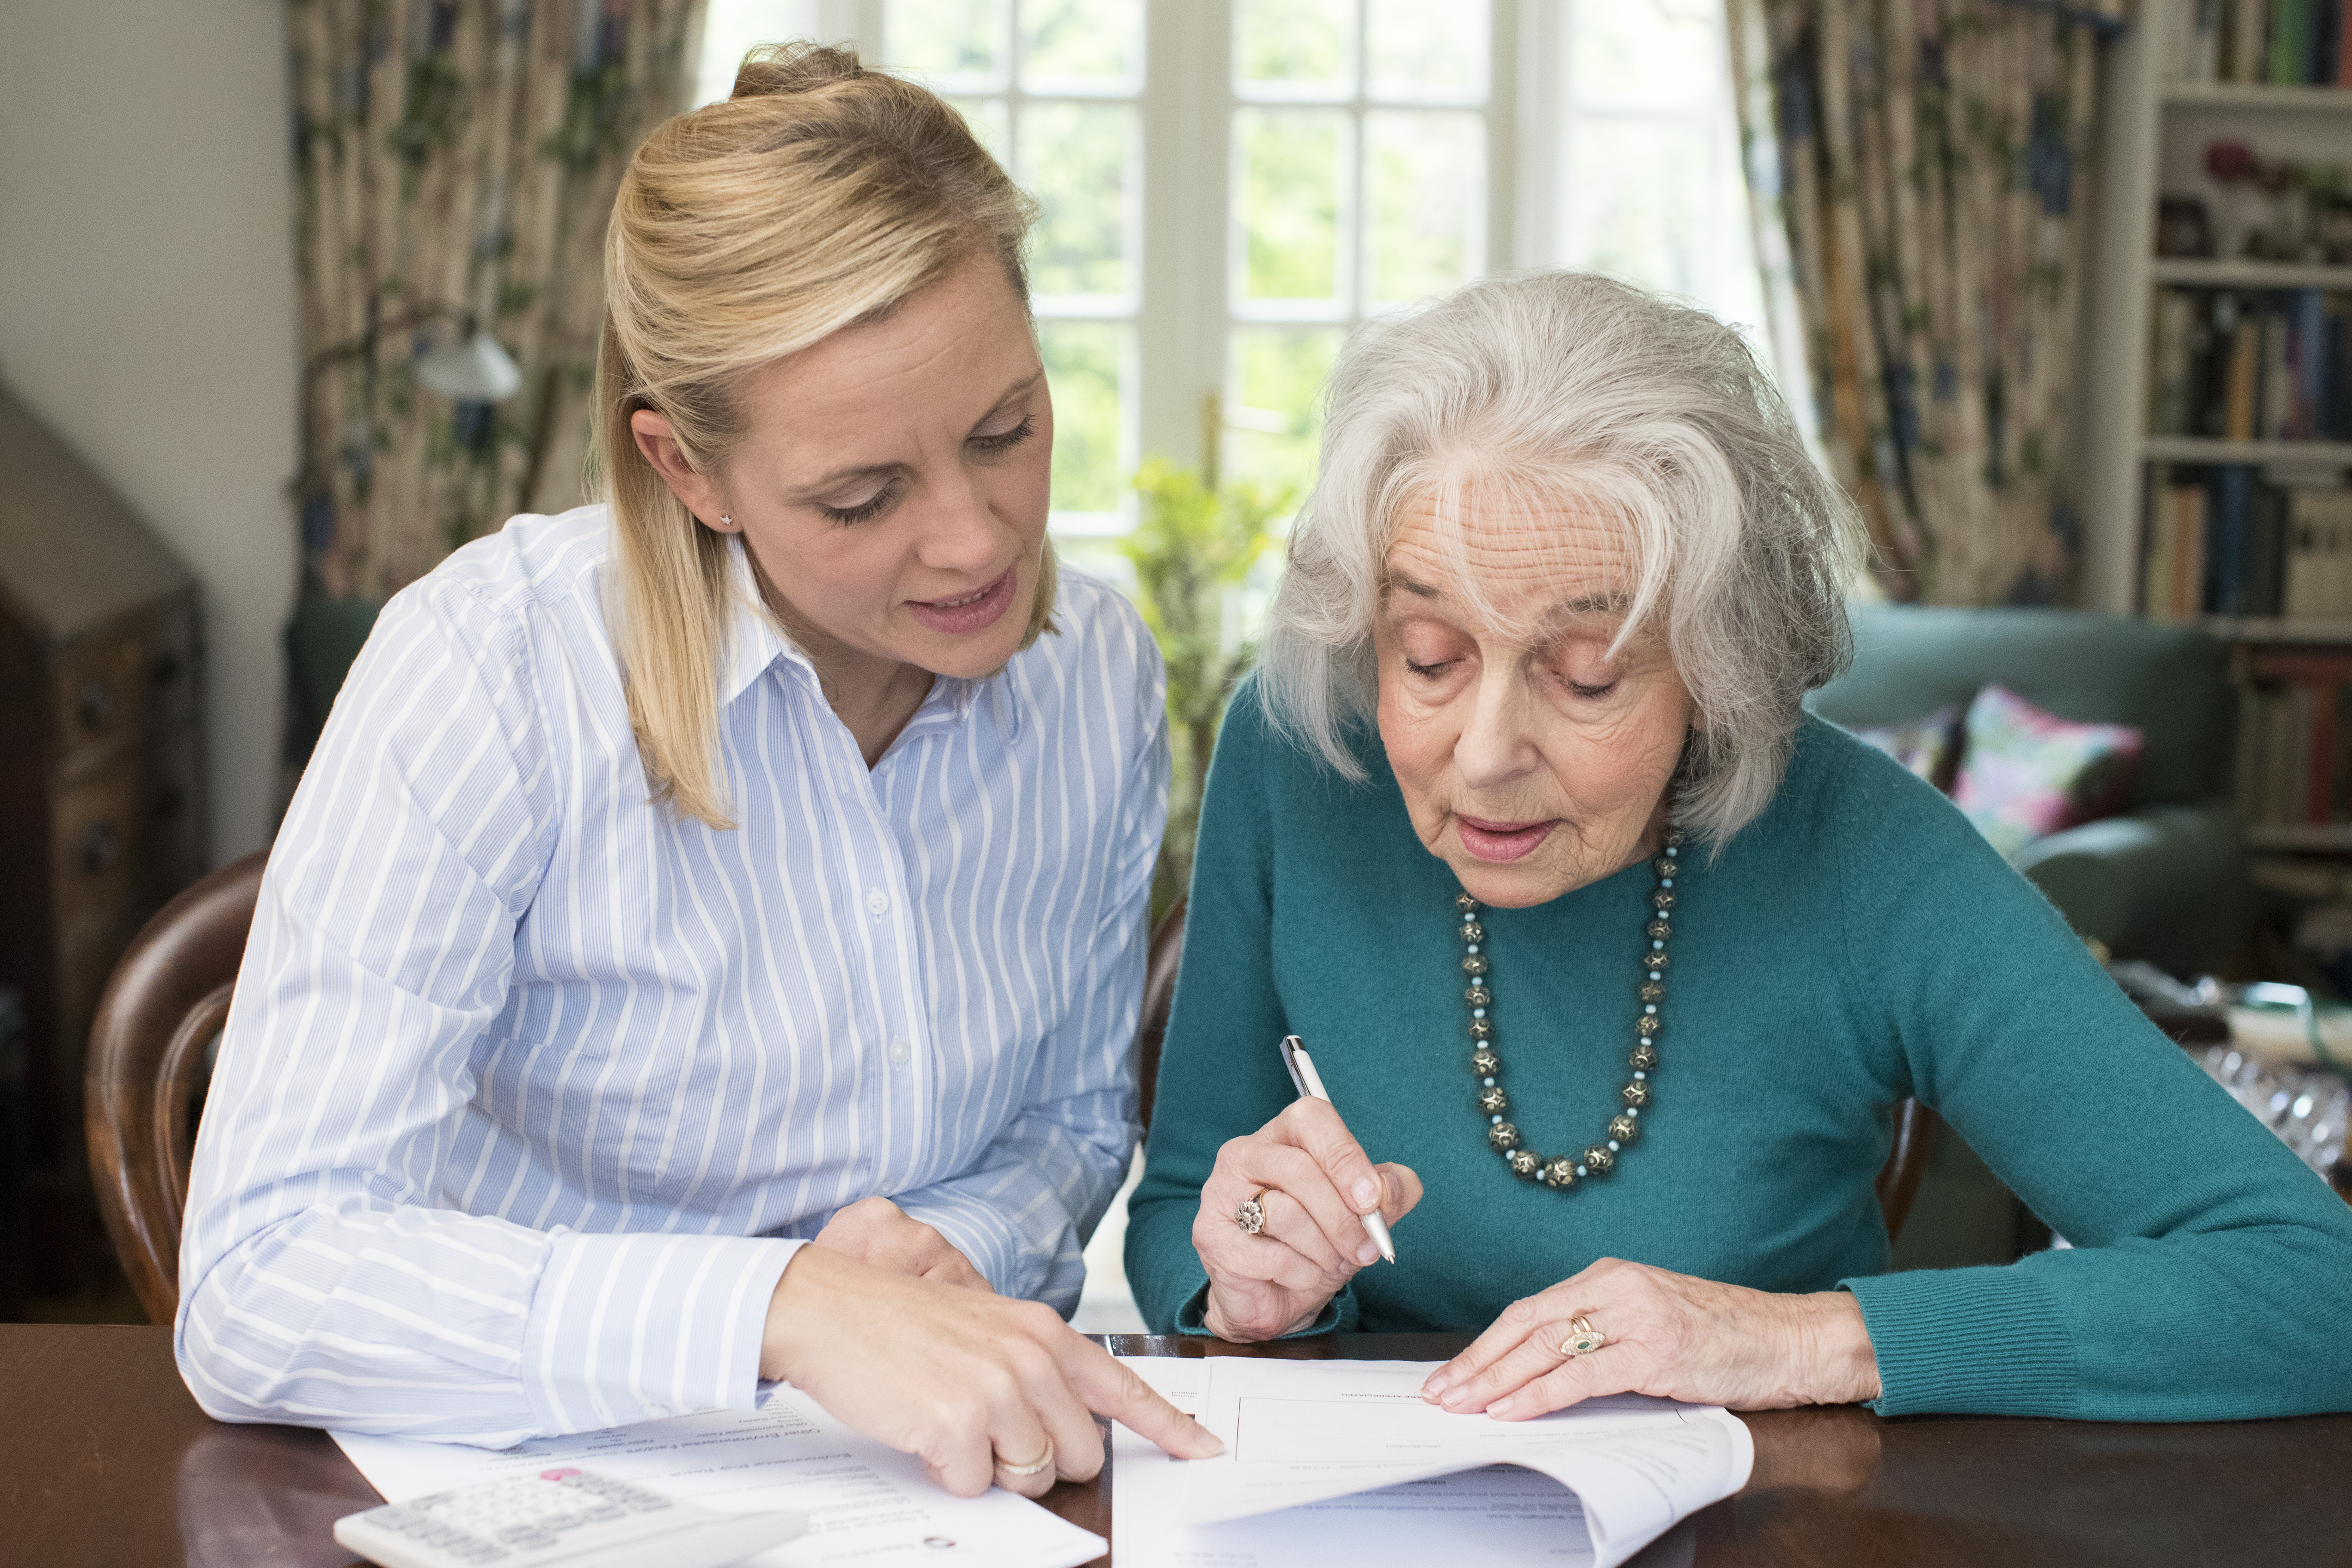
[1310, 1086]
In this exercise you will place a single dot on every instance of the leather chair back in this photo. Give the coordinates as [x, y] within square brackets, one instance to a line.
[148, 1065]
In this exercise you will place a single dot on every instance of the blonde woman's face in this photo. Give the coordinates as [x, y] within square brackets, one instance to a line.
[892, 482]
[1532, 762]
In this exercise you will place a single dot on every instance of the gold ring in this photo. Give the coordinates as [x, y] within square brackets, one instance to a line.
[1584, 1341]
[1251, 1215]
[1039, 1469]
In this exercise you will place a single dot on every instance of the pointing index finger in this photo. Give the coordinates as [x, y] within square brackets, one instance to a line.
[1111, 1388]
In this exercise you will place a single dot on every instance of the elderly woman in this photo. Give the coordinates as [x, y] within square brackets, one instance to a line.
[1624, 960]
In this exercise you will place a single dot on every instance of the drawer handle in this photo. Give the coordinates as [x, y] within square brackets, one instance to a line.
[167, 669]
[100, 844]
[97, 704]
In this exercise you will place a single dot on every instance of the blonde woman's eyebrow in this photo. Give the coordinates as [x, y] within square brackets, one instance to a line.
[839, 476]
[832, 481]
[1026, 385]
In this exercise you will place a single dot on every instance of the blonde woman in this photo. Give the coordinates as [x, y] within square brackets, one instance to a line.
[706, 944]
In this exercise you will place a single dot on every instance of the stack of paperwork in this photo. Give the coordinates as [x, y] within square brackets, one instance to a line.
[1326, 1462]
[1341, 1462]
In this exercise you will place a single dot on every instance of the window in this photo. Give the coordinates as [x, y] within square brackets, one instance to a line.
[1230, 185]
[1053, 88]
[1357, 180]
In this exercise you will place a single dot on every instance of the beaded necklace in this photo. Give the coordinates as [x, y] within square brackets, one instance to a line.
[1561, 1171]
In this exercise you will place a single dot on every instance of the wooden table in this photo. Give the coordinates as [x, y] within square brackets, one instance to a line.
[104, 1459]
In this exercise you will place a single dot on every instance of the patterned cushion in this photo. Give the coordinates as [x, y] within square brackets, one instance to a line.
[1930, 747]
[2028, 773]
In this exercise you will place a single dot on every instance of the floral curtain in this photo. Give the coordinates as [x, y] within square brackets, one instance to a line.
[454, 162]
[1928, 161]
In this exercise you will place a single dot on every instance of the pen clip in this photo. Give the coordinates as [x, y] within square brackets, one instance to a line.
[1290, 1046]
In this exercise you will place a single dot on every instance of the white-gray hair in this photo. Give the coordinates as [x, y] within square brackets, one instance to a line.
[1578, 391]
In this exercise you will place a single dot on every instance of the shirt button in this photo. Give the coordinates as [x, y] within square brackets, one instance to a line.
[878, 901]
[899, 1053]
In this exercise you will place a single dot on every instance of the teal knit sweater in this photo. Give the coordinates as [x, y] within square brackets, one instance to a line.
[1857, 943]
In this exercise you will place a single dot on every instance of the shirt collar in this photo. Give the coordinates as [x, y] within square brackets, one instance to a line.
[757, 644]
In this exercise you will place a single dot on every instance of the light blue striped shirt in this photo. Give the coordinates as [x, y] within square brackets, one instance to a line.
[530, 1089]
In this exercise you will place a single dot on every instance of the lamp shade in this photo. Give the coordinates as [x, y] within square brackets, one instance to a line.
[473, 369]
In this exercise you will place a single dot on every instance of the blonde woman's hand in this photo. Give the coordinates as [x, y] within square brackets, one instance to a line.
[961, 1381]
[1668, 1334]
[879, 1234]
[1315, 1185]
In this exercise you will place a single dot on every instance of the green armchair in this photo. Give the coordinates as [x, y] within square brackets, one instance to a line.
[2166, 880]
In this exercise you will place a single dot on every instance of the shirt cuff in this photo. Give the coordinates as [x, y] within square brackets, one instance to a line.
[634, 1327]
[1337, 1316]
[1967, 1341]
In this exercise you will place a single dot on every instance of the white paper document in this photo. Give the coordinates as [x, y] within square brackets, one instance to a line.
[866, 1503]
[1342, 1462]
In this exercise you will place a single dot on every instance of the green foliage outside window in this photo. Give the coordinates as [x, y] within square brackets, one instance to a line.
[1189, 545]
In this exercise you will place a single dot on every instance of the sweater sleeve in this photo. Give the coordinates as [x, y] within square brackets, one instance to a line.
[2205, 1281]
[1218, 1070]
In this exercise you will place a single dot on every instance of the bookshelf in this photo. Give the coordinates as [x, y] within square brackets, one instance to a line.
[2150, 137]
[2296, 671]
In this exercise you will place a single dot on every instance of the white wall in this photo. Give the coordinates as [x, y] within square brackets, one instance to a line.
[147, 309]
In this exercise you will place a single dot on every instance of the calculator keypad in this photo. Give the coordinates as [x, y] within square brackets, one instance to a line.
[484, 1524]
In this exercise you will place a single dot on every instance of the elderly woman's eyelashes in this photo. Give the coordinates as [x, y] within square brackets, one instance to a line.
[1438, 670]
[990, 446]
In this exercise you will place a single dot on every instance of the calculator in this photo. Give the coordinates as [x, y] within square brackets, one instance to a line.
[563, 1518]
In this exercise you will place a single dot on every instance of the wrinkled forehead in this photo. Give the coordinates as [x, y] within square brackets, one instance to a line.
[1526, 566]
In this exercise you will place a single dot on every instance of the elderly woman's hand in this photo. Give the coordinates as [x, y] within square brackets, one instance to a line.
[1668, 1334]
[1315, 1185]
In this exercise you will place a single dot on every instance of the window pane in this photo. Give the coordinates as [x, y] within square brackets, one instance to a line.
[986, 118]
[1295, 45]
[946, 38]
[730, 28]
[1642, 204]
[1287, 201]
[1074, 158]
[1415, 49]
[1424, 181]
[1098, 42]
[1087, 365]
[1644, 53]
[1273, 421]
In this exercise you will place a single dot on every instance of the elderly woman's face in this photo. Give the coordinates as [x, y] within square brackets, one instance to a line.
[1532, 762]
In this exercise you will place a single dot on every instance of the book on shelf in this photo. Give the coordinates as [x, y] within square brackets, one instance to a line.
[2252, 365]
[2275, 42]
[2294, 738]
[2228, 539]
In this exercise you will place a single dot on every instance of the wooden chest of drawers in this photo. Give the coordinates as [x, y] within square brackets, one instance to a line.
[102, 811]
